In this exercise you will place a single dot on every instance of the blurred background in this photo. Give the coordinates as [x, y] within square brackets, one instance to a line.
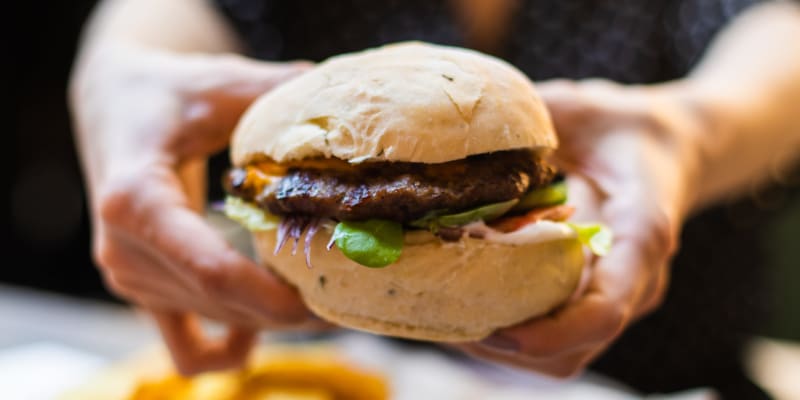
[48, 230]
[45, 215]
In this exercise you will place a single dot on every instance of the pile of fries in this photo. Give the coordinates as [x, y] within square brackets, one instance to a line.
[302, 373]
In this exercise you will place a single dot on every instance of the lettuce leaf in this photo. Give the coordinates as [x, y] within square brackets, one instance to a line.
[249, 215]
[373, 243]
[551, 195]
[596, 236]
[487, 213]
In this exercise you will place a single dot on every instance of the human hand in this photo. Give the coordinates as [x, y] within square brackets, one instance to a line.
[145, 123]
[631, 158]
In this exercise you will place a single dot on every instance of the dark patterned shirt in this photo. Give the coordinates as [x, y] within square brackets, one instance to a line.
[626, 40]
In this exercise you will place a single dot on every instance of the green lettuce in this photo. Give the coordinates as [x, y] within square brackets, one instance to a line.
[487, 213]
[596, 236]
[373, 243]
[551, 195]
[250, 216]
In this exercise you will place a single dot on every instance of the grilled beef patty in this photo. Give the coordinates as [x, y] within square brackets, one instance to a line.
[393, 190]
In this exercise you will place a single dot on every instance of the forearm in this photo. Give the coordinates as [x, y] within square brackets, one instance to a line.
[747, 91]
[175, 25]
[123, 31]
[140, 40]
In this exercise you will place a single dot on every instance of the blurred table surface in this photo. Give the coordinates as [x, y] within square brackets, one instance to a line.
[104, 333]
[104, 329]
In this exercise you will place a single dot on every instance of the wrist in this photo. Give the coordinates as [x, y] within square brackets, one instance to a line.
[681, 128]
[737, 146]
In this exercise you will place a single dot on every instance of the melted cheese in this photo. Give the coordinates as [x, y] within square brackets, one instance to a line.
[329, 164]
[451, 168]
[258, 179]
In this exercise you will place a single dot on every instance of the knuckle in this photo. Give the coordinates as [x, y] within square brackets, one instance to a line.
[113, 284]
[109, 257]
[662, 232]
[212, 278]
[616, 319]
[657, 293]
[651, 304]
[119, 202]
[104, 253]
[653, 228]
[119, 287]
[650, 120]
[611, 318]
[114, 203]
[657, 300]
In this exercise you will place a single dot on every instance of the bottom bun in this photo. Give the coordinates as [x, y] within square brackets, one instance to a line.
[440, 291]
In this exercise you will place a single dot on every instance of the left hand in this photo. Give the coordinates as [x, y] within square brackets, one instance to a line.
[631, 158]
[146, 122]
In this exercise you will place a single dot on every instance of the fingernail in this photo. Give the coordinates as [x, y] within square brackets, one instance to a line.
[500, 342]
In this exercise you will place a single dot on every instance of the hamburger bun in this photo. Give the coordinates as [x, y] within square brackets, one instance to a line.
[439, 291]
[422, 103]
[410, 102]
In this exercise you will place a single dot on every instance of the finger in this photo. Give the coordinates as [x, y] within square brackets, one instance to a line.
[634, 212]
[592, 320]
[193, 353]
[130, 270]
[216, 101]
[598, 317]
[620, 281]
[138, 279]
[150, 294]
[655, 292]
[186, 242]
[593, 103]
[238, 76]
[152, 207]
[124, 258]
[563, 99]
[218, 270]
[208, 311]
[575, 120]
[584, 198]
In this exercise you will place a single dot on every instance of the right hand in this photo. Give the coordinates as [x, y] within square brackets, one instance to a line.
[630, 154]
[145, 120]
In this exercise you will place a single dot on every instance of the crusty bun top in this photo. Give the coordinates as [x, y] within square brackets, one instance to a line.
[412, 102]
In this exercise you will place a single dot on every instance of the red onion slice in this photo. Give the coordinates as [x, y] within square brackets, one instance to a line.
[313, 227]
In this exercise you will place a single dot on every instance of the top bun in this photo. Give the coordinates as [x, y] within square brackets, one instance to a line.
[412, 102]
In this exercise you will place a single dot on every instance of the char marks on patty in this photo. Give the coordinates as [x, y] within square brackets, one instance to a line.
[393, 190]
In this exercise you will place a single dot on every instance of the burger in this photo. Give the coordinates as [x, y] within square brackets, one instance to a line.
[405, 191]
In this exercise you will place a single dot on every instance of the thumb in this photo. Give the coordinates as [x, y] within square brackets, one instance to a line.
[559, 95]
[217, 91]
[240, 77]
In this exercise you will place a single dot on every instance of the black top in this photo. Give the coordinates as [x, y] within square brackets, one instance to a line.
[626, 40]
[717, 294]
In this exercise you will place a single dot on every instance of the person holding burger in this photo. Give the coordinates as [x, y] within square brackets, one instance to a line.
[157, 90]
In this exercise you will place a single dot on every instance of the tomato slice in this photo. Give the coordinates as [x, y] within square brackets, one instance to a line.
[553, 213]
